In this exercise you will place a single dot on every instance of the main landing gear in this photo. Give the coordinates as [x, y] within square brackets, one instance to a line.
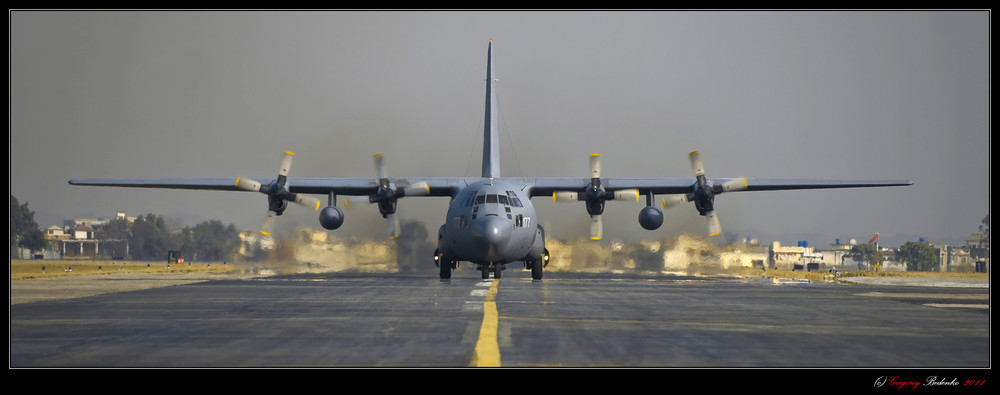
[445, 265]
[536, 266]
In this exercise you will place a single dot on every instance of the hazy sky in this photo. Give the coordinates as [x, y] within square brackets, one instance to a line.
[784, 94]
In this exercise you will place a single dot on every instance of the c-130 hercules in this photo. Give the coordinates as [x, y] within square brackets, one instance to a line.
[490, 220]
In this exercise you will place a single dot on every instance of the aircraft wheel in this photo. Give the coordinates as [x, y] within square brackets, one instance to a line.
[486, 272]
[496, 271]
[536, 270]
[445, 270]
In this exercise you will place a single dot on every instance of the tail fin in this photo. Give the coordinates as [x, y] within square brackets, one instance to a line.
[491, 140]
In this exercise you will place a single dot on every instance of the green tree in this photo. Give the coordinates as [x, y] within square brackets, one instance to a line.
[918, 256]
[866, 253]
[116, 229]
[150, 239]
[24, 231]
[210, 241]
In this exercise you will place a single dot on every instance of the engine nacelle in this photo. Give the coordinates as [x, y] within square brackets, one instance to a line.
[331, 217]
[650, 218]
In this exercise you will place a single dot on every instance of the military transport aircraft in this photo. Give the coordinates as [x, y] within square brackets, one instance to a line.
[490, 220]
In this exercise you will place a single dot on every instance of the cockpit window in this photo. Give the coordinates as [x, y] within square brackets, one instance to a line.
[502, 199]
[480, 199]
[513, 199]
[468, 200]
[491, 198]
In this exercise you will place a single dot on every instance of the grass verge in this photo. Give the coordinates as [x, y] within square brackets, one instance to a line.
[23, 269]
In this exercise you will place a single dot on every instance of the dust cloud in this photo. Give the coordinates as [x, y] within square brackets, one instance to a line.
[307, 250]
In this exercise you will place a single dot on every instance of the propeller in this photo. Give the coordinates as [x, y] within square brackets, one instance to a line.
[387, 195]
[595, 195]
[277, 195]
[703, 194]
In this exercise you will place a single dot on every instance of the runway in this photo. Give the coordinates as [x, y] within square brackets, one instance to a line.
[566, 320]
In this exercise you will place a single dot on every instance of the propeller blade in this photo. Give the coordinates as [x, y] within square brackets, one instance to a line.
[674, 200]
[286, 164]
[714, 227]
[737, 184]
[696, 165]
[627, 194]
[355, 201]
[565, 196]
[307, 201]
[596, 227]
[595, 165]
[419, 189]
[380, 166]
[247, 184]
[393, 226]
[268, 226]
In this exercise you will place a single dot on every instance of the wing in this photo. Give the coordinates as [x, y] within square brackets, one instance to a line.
[671, 186]
[368, 186]
[594, 191]
[701, 191]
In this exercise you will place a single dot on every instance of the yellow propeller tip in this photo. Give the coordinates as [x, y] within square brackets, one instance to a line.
[714, 234]
[290, 153]
[595, 154]
[595, 238]
[265, 233]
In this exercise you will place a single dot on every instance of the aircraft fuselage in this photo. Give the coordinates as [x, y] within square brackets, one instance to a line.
[491, 223]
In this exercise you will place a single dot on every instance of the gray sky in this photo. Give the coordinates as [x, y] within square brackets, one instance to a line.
[855, 94]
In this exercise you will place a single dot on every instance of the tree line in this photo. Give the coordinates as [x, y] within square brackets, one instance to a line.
[24, 231]
[149, 237]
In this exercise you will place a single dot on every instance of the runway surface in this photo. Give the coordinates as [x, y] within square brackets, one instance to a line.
[566, 320]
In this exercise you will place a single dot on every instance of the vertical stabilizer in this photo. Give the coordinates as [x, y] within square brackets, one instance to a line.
[491, 140]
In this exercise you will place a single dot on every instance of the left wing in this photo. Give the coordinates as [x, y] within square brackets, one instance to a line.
[699, 190]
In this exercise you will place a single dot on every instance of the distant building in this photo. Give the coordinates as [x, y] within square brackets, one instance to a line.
[801, 257]
[83, 232]
[56, 233]
[78, 239]
[954, 259]
[979, 250]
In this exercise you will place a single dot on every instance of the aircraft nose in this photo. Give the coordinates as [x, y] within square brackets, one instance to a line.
[493, 230]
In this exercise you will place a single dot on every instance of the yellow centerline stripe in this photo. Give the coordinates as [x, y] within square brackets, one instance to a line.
[487, 353]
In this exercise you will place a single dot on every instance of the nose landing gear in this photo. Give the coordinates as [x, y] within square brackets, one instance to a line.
[496, 268]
